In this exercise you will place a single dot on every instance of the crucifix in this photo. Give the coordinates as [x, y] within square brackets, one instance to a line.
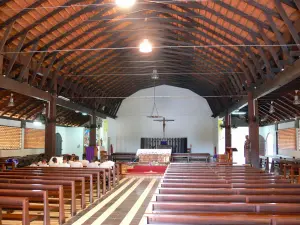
[164, 120]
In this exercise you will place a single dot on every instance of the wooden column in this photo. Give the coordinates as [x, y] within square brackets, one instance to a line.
[253, 129]
[93, 130]
[227, 130]
[50, 132]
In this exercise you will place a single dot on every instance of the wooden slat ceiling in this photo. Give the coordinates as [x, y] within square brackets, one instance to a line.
[29, 109]
[222, 67]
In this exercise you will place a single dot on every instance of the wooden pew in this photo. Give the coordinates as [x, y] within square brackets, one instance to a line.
[190, 156]
[43, 195]
[67, 185]
[264, 198]
[87, 175]
[56, 190]
[195, 207]
[228, 191]
[226, 180]
[115, 172]
[21, 202]
[80, 180]
[210, 194]
[220, 219]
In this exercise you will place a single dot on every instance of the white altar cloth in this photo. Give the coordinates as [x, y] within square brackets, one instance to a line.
[154, 151]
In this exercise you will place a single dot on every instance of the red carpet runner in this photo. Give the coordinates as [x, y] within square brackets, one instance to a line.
[147, 169]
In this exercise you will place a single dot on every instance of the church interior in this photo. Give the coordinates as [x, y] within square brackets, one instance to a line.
[160, 112]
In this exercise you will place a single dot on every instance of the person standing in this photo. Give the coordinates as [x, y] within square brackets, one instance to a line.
[247, 150]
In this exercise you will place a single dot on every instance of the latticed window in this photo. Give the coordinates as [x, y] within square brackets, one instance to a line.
[287, 140]
[34, 138]
[10, 138]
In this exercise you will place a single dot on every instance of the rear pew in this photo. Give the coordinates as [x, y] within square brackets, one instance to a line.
[213, 194]
[43, 195]
[88, 175]
[37, 183]
[21, 202]
[34, 191]
[79, 180]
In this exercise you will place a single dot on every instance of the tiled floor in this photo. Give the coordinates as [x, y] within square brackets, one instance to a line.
[125, 205]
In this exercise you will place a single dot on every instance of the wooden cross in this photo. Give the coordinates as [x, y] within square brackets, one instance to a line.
[164, 120]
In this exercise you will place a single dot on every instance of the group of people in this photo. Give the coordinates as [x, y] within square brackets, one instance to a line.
[73, 161]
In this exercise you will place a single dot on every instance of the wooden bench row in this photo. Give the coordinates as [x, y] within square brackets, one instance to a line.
[240, 195]
[63, 185]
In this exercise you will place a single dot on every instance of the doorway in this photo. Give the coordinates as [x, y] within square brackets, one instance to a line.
[58, 148]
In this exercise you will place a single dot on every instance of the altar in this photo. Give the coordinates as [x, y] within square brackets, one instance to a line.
[154, 155]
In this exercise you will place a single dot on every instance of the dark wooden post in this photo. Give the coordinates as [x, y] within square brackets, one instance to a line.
[93, 130]
[227, 130]
[50, 132]
[253, 129]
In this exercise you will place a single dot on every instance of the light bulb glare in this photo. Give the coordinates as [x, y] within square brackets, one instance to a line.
[125, 3]
[145, 46]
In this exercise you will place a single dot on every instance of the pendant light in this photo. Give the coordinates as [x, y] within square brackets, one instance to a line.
[272, 109]
[11, 100]
[296, 98]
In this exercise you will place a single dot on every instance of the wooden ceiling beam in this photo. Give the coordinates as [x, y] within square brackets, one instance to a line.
[284, 77]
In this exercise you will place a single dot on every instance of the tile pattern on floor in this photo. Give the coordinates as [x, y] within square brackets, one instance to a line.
[117, 207]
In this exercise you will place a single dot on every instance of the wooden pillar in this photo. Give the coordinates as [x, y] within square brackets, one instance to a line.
[93, 130]
[227, 130]
[50, 132]
[253, 129]
[1, 64]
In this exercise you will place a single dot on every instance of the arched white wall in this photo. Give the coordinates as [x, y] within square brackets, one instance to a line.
[192, 120]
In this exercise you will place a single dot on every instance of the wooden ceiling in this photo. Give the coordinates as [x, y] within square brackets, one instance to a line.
[89, 48]
[28, 109]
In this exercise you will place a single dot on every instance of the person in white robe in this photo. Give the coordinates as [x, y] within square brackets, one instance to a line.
[54, 162]
[44, 163]
[64, 162]
[76, 163]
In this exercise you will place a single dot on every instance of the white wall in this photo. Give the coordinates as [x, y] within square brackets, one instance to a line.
[72, 138]
[192, 120]
[269, 133]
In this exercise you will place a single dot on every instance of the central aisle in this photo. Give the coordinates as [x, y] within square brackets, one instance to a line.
[125, 205]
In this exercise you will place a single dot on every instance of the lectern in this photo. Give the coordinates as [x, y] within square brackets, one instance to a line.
[229, 153]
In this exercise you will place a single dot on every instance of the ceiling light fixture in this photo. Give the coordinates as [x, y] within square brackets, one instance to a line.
[238, 113]
[11, 100]
[38, 122]
[125, 3]
[63, 98]
[44, 112]
[272, 109]
[296, 98]
[145, 46]
[154, 75]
